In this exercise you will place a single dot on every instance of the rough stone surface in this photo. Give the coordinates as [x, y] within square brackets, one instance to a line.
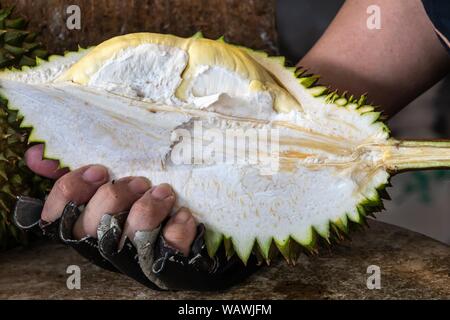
[412, 266]
[250, 23]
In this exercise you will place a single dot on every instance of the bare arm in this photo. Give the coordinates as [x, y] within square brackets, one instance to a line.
[394, 65]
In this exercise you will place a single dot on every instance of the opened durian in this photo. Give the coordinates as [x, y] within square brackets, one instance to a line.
[163, 107]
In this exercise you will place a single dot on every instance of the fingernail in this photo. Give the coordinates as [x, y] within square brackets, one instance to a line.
[95, 174]
[139, 185]
[182, 216]
[162, 191]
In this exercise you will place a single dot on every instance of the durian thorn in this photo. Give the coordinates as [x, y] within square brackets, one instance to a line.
[221, 39]
[197, 35]
[384, 194]
[362, 100]
[299, 71]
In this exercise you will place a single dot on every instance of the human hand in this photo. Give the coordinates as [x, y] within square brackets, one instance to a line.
[175, 258]
[148, 206]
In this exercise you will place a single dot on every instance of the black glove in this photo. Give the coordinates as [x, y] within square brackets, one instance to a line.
[147, 258]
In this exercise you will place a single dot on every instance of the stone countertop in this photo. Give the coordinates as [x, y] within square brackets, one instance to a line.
[412, 267]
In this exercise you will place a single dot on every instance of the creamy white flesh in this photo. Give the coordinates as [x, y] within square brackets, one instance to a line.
[124, 118]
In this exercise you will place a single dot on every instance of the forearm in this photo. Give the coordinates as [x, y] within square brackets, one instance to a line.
[393, 65]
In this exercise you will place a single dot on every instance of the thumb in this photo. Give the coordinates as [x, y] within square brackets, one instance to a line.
[42, 167]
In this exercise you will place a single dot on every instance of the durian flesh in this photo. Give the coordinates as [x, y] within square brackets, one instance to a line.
[127, 102]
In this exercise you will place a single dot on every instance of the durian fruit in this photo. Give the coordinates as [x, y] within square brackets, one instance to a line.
[18, 48]
[145, 104]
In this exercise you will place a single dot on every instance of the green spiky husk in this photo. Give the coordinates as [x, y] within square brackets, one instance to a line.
[15, 178]
[334, 231]
[18, 48]
[290, 249]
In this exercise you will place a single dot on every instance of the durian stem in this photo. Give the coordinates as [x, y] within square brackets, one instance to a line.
[414, 155]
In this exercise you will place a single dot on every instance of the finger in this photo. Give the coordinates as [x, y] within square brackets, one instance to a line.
[77, 186]
[111, 198]
[180, 231]
[150, 210]
[47, 168]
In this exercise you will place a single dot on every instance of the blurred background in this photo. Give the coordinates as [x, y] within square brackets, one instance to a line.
[421, 199]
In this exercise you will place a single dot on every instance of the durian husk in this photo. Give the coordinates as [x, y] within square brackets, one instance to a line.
[18, 48]
[420, 155]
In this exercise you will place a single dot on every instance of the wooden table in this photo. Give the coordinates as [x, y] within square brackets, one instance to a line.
[412, 266]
